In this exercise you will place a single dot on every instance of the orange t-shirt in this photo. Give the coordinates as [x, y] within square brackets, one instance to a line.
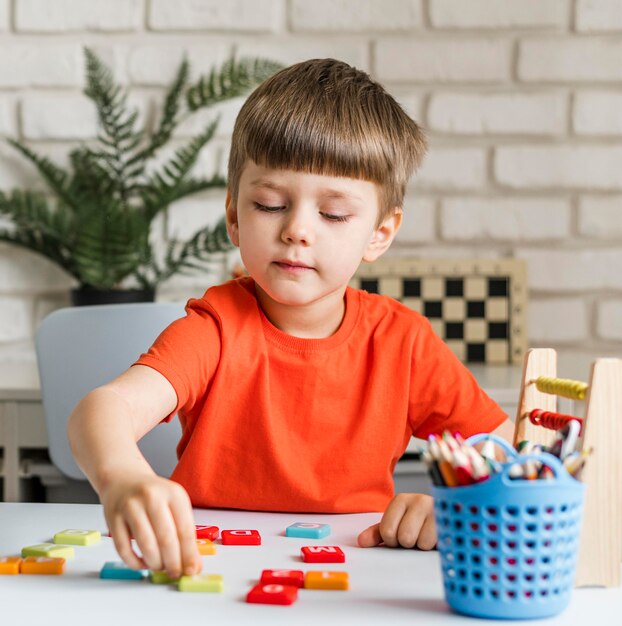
[273, 422]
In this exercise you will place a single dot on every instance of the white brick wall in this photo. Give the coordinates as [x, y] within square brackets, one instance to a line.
[544, 321]
[599, 15]
[446, 59]
[610, 320]
[590, 166]
[591, 59]
[4, 15]
[499, 13]
[601, 217]
[499, 113]
[598, 113]
[521, 101]
[503, 219]
[215, 15]
[58, 16]
[362, 16]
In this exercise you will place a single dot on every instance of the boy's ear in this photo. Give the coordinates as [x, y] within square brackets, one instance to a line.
[231, 212]
[383, 236]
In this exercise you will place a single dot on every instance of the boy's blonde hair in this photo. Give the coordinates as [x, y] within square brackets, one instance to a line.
[324, 116]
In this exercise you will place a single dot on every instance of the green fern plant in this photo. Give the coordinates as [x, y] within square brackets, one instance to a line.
[97, 226]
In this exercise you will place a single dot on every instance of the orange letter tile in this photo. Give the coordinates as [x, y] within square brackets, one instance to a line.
[326, 580]
[42, 565]
[9, 564]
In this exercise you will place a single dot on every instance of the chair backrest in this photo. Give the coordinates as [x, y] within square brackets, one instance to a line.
[81, 348]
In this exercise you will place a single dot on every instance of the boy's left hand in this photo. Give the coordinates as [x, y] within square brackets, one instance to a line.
[408, 522]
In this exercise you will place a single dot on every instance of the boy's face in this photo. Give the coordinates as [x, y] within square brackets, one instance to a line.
[302, 236]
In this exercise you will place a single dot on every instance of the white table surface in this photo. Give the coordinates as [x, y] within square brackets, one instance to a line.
[387, 586]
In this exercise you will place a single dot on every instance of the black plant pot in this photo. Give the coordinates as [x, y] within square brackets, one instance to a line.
[86, 296]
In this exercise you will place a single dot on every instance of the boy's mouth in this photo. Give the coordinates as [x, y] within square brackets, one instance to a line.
[292, 266]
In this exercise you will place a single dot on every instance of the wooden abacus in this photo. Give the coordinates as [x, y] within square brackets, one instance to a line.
[600, 551]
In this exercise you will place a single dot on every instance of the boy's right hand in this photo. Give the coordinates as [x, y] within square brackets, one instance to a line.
[157, 513]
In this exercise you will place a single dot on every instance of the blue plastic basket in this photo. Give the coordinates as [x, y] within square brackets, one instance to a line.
[509, 547]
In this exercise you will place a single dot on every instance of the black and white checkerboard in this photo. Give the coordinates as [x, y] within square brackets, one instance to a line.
[476, 306]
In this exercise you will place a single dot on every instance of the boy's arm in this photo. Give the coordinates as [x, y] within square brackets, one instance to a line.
[103, 430]
[409, 519]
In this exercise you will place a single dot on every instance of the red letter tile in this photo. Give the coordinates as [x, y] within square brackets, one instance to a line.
[272, 594]
[294, 577]
[323, 554]
[240, 538]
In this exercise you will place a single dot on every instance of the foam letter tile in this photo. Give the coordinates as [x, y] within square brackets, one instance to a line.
[52, 550]
[323, 554]
[201, 582]
[308, 530]
[161, 578]
[327, 580]
[294, 577]
[42, 565]
[207, 532]
[206, 547]
[76, 537]
[240, 538]
[9, 564]
[117, 570]
[272, 594]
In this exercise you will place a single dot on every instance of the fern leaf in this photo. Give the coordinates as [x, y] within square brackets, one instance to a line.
[234, 78]
[170, 115]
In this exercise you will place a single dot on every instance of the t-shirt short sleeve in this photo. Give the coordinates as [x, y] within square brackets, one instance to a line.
[187, 353]
[444, 394]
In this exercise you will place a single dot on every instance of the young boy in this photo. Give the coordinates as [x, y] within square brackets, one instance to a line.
[295, 392]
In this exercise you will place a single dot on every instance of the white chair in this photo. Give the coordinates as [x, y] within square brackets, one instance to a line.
[81, 348]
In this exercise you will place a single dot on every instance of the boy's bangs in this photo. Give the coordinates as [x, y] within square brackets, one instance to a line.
[320, 144]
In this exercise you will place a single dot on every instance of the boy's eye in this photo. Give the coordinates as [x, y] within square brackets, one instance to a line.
[268, 209]
[335, 218]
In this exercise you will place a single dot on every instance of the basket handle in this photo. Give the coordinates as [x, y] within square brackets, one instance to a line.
[510, 452]
[545, 458]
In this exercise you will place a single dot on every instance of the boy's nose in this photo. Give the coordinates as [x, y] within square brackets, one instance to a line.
[297, 230]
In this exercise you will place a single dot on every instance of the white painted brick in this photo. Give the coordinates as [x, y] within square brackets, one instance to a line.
[301, 48]
[158, 64]
[198, 121]
[17, 171]
[568, 167]
[501, 113]
[236, 15]
[43, 65]
[8, 118]
[15, 318]
[601, 217]
[505, 219]
[418, 220]
[498, 13]
[23, 272]
[4, 15]
[598, 15]
[63, 116]
[573, 270]
[361, 16]
[453, 168]
[58, 117]
[547, 324]
[412, 103]
[575, 59]
[57, 16]
[191, 214]
[597, 113]
[609, 320]
[482, 60]
[115, 57]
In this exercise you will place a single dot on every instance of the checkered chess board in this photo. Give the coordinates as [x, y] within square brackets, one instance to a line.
[477, 306]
